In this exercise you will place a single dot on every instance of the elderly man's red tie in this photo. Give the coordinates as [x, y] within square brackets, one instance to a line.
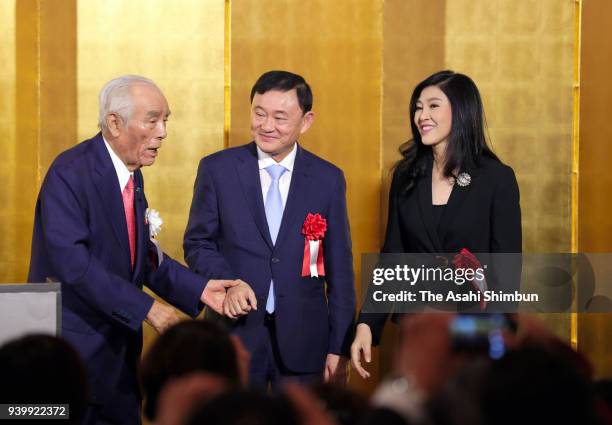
[128, 205]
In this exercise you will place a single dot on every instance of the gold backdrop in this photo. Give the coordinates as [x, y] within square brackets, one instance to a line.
[595, 180]
[362, 59]
[13, 213]
[520, 56]
[38, 55]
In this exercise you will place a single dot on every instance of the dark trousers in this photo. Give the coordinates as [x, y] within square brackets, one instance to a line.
[267, 368]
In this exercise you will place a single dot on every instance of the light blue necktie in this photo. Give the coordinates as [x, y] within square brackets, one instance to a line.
[274, 215]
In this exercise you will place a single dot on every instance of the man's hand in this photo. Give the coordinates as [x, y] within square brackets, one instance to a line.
[239, 300]
[161, 316]
[214, 293]
[336, 369]
[362, 344]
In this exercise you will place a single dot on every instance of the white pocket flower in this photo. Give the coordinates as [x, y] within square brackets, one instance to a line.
[154, 220]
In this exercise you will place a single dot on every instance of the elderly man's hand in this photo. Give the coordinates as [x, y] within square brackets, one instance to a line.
[239, 300]
[161, 316]
[215, 292]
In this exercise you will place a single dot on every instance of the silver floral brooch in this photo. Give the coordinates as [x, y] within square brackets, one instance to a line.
[464, 179]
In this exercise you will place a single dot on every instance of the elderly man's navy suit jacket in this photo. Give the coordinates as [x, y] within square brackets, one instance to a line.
[80, 239]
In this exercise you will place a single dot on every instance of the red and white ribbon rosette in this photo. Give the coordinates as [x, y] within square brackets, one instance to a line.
[313, 229]
[468, 261]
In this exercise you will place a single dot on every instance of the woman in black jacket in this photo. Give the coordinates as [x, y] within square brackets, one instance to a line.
[449, 191]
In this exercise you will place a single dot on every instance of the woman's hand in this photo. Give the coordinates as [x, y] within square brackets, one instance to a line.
[362, 344]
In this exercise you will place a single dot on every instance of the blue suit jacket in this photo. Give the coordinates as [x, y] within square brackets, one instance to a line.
[228, 237]
[80, 239]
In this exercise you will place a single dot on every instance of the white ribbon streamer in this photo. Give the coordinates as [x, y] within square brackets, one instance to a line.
[314, 253]
[481, 284]
[160, 253]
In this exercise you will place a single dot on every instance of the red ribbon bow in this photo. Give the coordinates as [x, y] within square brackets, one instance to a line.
[468, 261]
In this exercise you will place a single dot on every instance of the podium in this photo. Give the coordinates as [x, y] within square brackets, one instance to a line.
[30, 308]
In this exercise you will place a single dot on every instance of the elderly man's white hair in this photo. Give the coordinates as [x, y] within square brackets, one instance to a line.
[115, 97]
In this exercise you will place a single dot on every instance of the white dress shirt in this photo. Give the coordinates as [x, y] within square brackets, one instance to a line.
[265, 160]
[123, 174]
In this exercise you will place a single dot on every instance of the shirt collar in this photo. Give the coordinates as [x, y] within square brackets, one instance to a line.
[123, 174]
[265, 160]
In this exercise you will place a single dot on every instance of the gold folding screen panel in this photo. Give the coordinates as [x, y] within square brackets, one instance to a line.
[520, 54]
[180, 46]
[595, 150]
[37, 57]
[12, 263]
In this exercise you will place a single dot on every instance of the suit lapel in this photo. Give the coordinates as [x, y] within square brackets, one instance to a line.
[107, 185]
[248, 173]
[142, 234]
[425, 206]
[297, 191]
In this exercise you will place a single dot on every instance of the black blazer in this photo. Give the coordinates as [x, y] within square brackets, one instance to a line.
[484, 216]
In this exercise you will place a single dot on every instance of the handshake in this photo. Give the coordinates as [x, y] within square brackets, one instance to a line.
[231, 298]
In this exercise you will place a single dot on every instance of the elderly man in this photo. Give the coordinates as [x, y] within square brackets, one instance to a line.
[274, 215]
[92, 235]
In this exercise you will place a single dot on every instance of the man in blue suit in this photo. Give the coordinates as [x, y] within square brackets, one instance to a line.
[91, 234]
[293, 309]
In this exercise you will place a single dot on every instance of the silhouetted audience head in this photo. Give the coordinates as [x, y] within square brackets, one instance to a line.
[603, 397]
[458, 402]
[181, 395]
[529, 385]
[345, 406]
[535, 385]
[43, 369]
[190, 346]
[245, 408]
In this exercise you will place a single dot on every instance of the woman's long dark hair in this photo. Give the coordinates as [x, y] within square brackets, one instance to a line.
[467, 140]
